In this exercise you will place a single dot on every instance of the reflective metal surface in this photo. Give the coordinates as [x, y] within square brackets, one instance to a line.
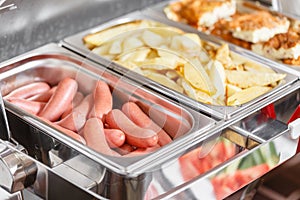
[66, 169]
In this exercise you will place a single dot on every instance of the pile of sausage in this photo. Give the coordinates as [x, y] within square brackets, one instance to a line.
[91, 118]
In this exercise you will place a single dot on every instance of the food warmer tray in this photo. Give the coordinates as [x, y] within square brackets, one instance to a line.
[243, 6]
[55, 163]
[51, 165]
[75, 43]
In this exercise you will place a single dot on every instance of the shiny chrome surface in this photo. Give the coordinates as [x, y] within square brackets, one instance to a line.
[75, 43]
[17, 172]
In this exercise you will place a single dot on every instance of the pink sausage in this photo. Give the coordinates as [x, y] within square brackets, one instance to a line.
[76, 119]
[93, 133]
[142, 151]
[115, 137]
[29, 90]
[124, 149]
[69, 133]
[59, 101]
[135, 135]
[43, 97]
[103, 101]
[32, 107]
[174, 126]
[133, 112]
[76, 101]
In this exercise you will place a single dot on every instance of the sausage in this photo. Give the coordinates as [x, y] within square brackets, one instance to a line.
[76, 101]
[125, 149]
[93, 133]
[135, 135]
[59, 101]
[103, 101]
[32, 107]
[174, 125]
[114, 137]
[133, 112]
[76, 119]
[68, 132]
[43, 97]
[29, 90]
[142, 151]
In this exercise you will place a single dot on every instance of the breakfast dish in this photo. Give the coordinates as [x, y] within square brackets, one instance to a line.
[201, 13]
[252, 27]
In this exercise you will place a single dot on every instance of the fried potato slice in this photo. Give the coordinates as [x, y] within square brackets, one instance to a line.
[96, 39]
[231, 90]
[246, 79]
[250, 66]
[195, 74]
[164, 80]
[247, 95]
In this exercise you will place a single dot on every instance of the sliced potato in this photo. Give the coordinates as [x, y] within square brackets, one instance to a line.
[231, 90]
[138, 55]
[152, 39]
[223, 55]
[132, 43]
[183, 43]
[252, 67]
[172, 74]
[246, 95]
[217, 75]
[102, 50]
[194, 38]
[245, 79]
[203, 97]
[159, 64]
[96, 39]
[196, 94]
[164, 80]
[116, 47]
[195, 74]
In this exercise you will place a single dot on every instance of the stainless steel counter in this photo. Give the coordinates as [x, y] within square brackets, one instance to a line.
[28, 24]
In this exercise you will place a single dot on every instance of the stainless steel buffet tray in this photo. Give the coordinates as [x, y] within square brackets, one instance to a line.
[75, 43]
[242, 6]
[138, 177]
[52, 63]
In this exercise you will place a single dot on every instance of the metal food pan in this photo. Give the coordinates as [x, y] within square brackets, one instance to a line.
[75, 43]
[52, 63]
[243, 6]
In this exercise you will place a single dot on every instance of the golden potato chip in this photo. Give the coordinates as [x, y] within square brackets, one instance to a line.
[246, 95]
[245, 79]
